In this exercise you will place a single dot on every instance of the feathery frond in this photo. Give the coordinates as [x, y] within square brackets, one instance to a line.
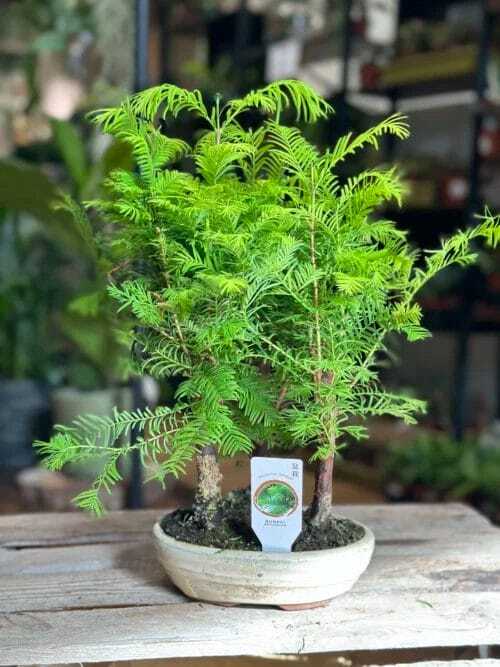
[281, 95]
[349, 144]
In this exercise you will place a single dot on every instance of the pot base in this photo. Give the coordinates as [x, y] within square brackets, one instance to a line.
[283, 607]
[305, 605]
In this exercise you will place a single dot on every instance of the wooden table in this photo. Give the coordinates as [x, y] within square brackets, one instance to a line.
[78, 589]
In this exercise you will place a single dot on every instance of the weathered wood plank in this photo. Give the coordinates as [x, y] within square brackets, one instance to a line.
[86, 576]
[75, 589]
[18, 531]
[94, 576]
[115, 573]
[353, 622]
[63, 559]
[443, 663]
[392, 522]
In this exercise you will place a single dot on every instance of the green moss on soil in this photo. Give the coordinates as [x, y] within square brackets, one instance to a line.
[235, 531]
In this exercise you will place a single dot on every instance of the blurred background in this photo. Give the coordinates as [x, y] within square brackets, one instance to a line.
[438, 61]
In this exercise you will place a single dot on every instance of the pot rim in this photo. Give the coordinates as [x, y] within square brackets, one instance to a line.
[165, 540]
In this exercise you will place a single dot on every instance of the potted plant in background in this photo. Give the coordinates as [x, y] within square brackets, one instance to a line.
[95, 364]
[35, 241]
[27, 346]
[58, 330]
[266, 286]
[434, 467]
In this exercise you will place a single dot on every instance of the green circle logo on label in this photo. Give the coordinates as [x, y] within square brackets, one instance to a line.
[276, 498]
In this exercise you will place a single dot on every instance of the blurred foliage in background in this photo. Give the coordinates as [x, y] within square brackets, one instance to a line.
[54, 321]
[42, 240]
[435, 467]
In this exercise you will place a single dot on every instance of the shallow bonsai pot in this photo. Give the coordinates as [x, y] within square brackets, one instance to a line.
[289, 580]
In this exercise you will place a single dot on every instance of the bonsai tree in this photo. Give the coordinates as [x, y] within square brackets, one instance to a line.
[257, 277]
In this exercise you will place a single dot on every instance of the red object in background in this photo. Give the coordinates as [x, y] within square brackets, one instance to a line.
[370, 76]
[489, 139]
[494, 281]
[358, 22]
[447, 302]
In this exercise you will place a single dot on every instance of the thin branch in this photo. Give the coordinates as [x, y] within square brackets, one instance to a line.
[174, 315]
[312, 250]
[281, 397]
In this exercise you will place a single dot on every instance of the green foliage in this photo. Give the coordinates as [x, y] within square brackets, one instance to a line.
[91, 436]
[69, 143]
[35, 197]
[28, 346]
[55, 22]
[257, 276]
[41, 238]
[452, 469]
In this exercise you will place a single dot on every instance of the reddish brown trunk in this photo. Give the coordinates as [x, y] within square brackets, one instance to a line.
[322, 499]
[261, 449]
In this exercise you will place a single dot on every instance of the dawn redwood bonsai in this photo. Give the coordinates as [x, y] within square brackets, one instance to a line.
[259, 279]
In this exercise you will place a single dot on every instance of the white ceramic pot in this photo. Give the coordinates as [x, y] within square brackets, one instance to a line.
[289, 580]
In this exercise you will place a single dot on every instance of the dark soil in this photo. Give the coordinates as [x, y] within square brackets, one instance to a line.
[235, 530]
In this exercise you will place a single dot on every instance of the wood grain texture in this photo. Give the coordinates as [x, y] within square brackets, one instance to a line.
[443, 663]
[71, 528]
[73, 589]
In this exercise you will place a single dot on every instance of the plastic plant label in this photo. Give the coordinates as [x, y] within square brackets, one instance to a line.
[276, 486]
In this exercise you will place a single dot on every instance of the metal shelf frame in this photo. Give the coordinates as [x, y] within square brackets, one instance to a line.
[134, 499]
[479, 104]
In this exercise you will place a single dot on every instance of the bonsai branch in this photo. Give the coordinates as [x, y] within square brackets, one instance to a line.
[281, 397]
[323, 483]
[315, 287]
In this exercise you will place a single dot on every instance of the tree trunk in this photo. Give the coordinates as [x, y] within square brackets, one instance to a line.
[207, 501]
[261, 449]
[322, 499]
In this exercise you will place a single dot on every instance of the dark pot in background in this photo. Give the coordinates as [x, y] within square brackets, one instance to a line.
[24, 417]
